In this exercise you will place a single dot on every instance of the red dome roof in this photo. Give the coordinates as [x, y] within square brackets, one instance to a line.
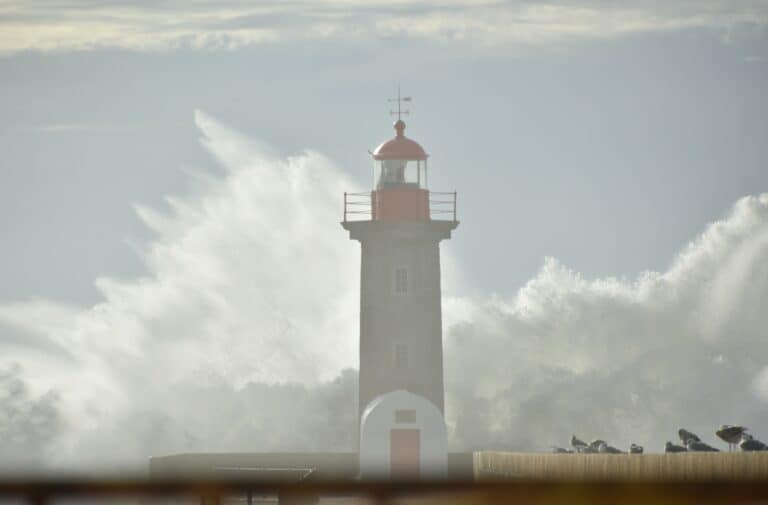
[400, 147]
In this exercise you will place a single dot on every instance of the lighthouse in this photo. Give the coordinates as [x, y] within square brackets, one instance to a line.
[400, 224]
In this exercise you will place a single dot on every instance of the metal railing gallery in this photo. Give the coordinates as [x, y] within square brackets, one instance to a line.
[359, 206]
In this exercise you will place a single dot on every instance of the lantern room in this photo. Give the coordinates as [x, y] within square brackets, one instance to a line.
[400, 179]
[400, 162]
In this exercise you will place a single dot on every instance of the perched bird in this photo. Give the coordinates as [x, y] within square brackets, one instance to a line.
[750, 444]
[731, 434]
[576, 443]
[699, 446]
[670, 447]
[604, 448]
[635, 449]
[686, 435]
[560, 450]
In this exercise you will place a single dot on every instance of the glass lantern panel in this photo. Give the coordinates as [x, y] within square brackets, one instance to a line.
[408, 173]
[423, 181]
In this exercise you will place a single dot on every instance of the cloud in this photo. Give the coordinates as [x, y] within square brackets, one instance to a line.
[620, 360]
[242, 334]
[761, 384]
[248, 286]
[81, 25]
[28, 423]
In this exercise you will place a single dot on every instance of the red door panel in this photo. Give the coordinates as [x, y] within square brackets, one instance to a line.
[404, 450]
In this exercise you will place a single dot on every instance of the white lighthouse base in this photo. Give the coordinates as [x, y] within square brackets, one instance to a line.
[402, 437]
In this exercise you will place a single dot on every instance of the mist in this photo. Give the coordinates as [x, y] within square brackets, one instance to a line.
[623, 360]
[246, 301]
[242, 335]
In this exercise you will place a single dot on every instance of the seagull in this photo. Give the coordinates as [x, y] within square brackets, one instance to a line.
[699, 446]
[686, 435]
[604, 448]
[750, 444]
[577, 443]
[635, 449]
[670, 447]
[731, 434]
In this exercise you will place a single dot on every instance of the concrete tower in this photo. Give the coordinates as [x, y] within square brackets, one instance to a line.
[399, 225]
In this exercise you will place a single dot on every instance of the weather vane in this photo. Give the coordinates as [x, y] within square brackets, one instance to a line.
[399, 101]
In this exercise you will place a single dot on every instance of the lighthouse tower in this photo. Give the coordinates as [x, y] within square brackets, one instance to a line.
[400, 225]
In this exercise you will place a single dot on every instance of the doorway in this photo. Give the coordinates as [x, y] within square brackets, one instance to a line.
[404, 453]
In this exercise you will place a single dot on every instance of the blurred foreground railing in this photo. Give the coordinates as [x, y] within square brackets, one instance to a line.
[525, 492]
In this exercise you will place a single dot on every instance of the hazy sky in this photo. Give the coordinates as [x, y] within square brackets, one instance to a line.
[606, 136]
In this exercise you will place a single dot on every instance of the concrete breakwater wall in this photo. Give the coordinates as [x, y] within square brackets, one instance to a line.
[490, 465]
[280, 466]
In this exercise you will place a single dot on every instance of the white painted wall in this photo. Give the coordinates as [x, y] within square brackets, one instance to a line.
[378, 420]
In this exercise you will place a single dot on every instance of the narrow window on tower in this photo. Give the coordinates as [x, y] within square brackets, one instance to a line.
[401, 356]
[401, 281]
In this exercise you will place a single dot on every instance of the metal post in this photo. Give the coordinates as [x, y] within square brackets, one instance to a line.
[454, 206]
[210, 498]
[373, 205]
[37, 499]
[345, 206]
